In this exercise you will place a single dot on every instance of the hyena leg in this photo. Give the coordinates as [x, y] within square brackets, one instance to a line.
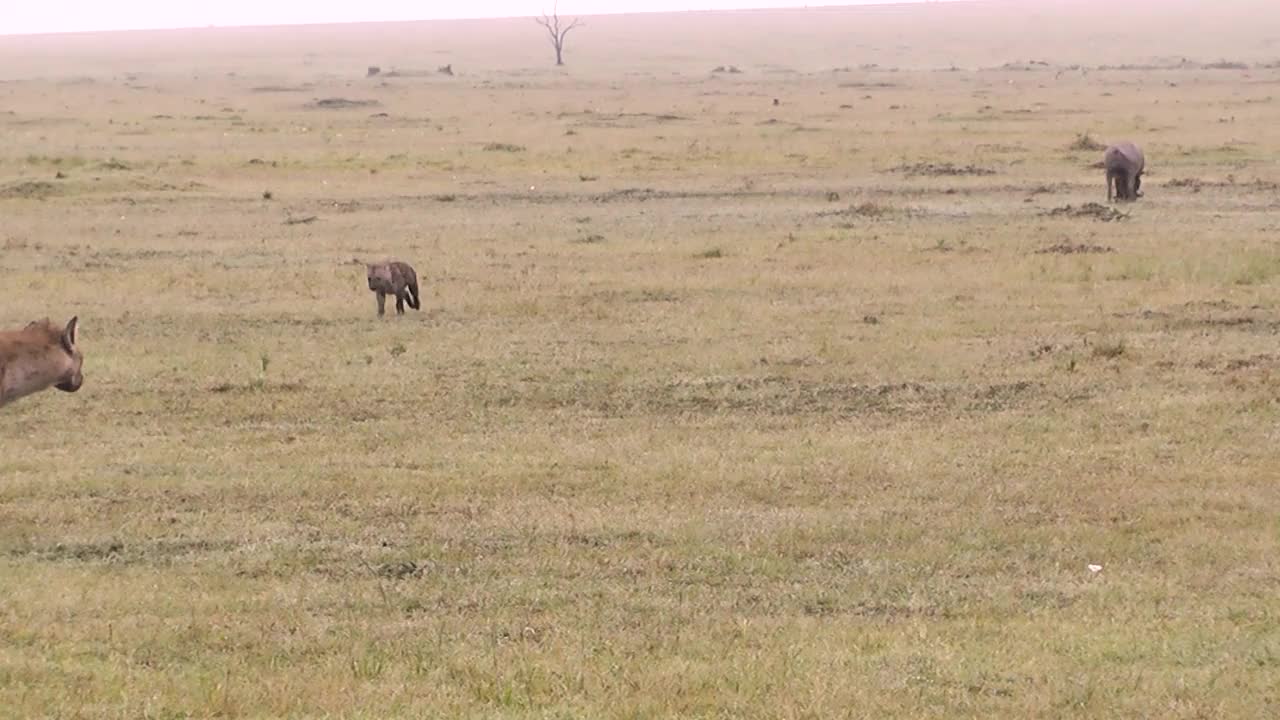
[400, 302]
[382, 303]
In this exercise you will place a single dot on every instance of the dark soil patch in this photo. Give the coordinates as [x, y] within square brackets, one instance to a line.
[945, 169]
[407, 73]
[962, 247]
[1196, 184]
[117, 551]
[1078, 249]
[1041, 190]
[337, 103]
[1215, 315]
[637, 194]
[783, 396]
[1256, 361]
[1092, 210]
[256, 387]
[1046, 349]
[870, 210]
[38, 189]
[281, 88]
[1211, 305]
[1026, 66]
[591, 118]
[1193, 184]
[399, 570]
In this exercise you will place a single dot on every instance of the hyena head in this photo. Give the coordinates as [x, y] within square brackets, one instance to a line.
[379, 277]
[72, 378]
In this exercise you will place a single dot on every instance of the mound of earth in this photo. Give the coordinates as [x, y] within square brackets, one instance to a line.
[1093, 210]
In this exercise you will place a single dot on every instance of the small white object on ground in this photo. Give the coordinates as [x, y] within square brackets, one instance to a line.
[1094, 568]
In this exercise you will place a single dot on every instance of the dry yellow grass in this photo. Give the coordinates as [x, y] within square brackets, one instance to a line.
[716, 407]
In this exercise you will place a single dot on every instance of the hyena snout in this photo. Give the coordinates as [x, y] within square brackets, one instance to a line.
[71, 384]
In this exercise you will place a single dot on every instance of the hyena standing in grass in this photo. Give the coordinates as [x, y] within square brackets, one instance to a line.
[394, 278]
[37, 357]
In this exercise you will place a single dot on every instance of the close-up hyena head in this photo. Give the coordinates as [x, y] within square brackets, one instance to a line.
[379, 276]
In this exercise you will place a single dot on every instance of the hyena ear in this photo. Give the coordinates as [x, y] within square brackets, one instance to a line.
[69, 335]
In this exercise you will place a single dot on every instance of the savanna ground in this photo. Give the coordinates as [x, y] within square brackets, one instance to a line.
[715, 407]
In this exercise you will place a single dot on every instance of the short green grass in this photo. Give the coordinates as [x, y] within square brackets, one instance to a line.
[707, 413]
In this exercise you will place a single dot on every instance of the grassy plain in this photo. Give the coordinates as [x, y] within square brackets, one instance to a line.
[716, 407]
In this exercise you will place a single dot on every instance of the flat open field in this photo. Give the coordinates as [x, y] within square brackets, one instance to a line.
[716, 407]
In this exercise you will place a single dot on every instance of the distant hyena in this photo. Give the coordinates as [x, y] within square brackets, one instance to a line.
[38, 356]
[394, 278]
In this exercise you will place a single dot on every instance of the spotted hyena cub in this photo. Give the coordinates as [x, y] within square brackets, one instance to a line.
[394, 278]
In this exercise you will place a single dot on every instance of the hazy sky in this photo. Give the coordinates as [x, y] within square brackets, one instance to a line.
[39, 16]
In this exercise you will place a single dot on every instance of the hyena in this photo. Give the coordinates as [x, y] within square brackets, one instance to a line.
[394, 278]
[37, 357]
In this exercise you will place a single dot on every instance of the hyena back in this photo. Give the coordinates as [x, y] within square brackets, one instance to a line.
[394, 278]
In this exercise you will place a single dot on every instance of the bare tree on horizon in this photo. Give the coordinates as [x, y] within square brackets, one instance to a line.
[557, 33]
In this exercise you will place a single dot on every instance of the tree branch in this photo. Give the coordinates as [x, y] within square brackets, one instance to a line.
[572, 25]
[545, 22]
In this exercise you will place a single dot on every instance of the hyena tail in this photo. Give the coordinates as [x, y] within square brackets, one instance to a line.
[414, 302]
